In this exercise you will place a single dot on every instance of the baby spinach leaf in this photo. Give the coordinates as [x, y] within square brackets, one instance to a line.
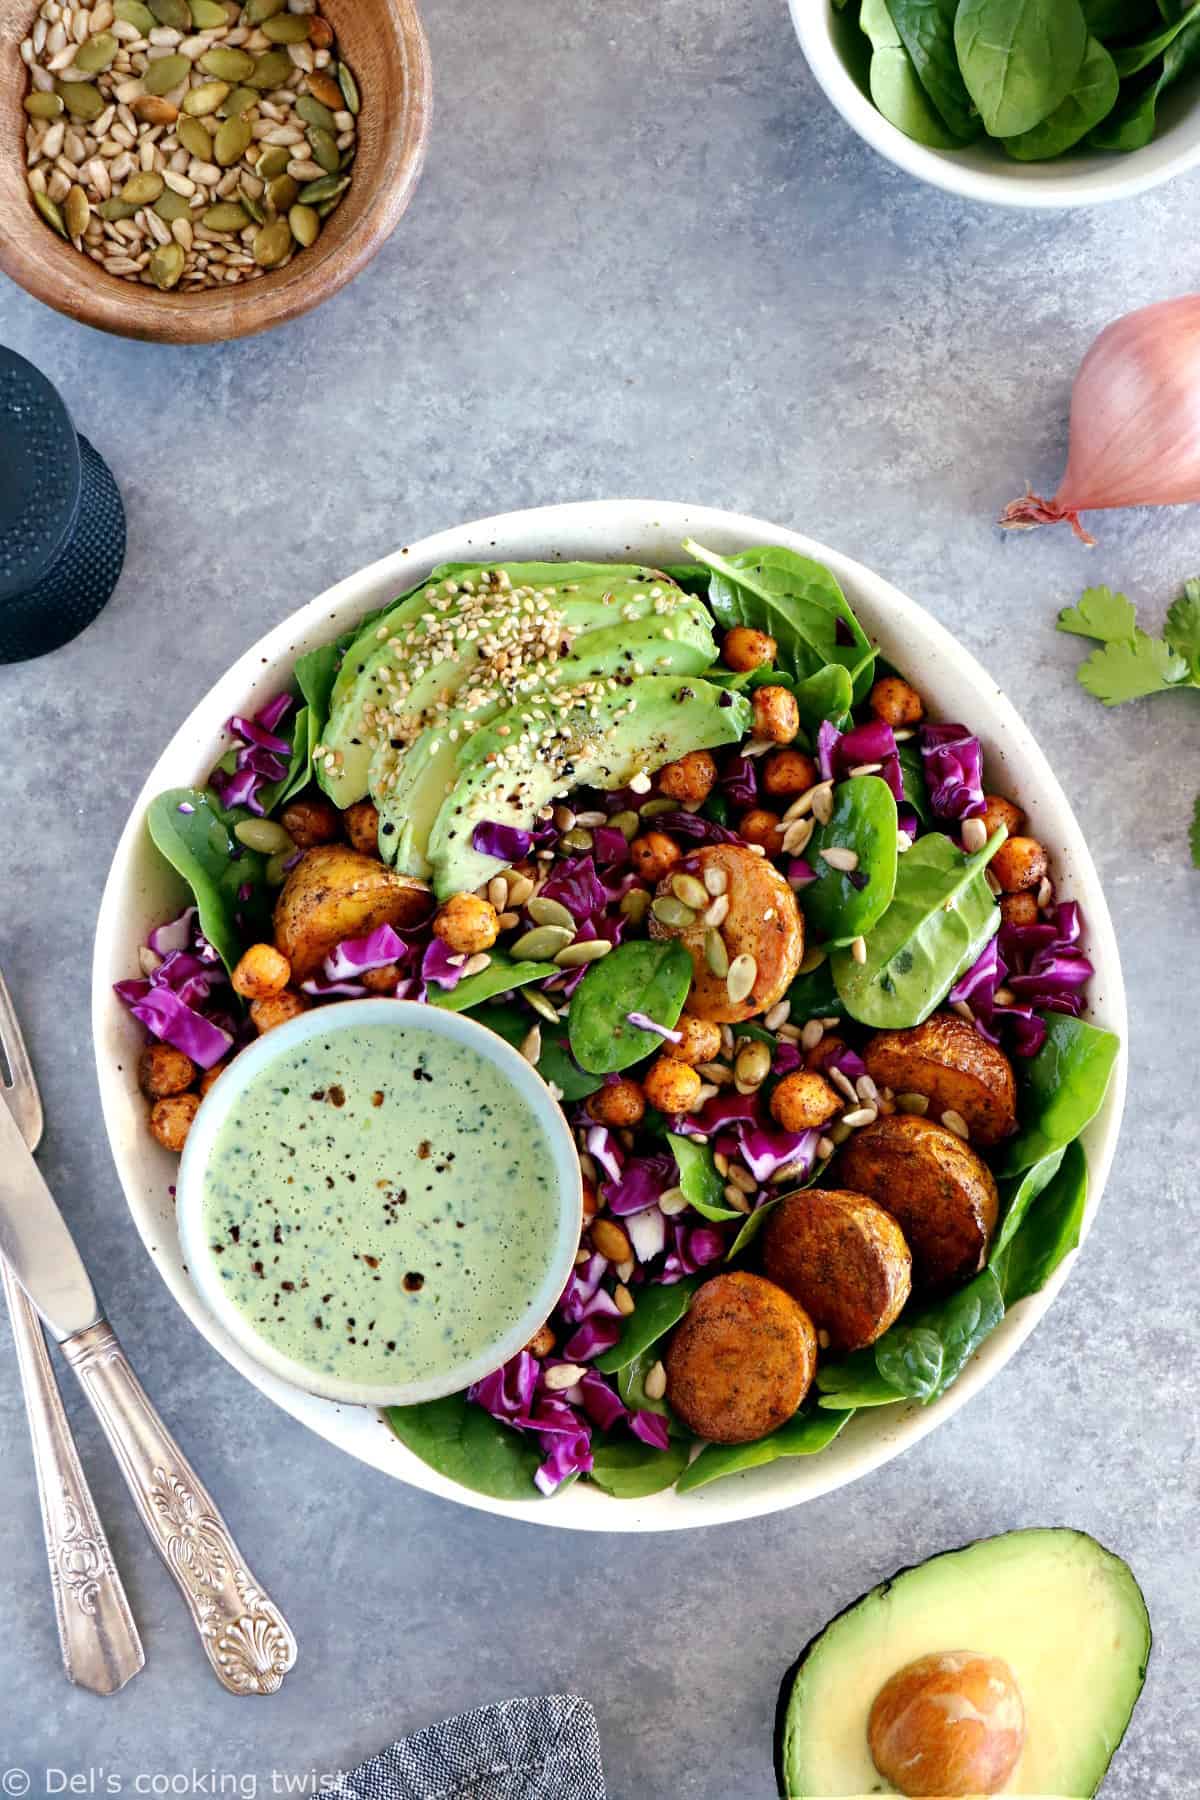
[941, 916]
[299, 764]
[841, 906]
[895, 85]
[1062, 1089]
[1131, 124]
[921, 1357]
[804, 1435]
[1019, 58]
[912, 775]
[658, 1310]
[1108, 19]
[1092, 97]
[813, 996]
[645, 977]
[702, 1186]
[461, 1440]
[1049, 1233]
[854, 1381]
[631, 1386]
[199, 845]
[1131, 58]
[797, 601]
[628, 1469]
[926, 29]
[511, 1022]
[827, 694]
[500, 977]
[1017, 1196]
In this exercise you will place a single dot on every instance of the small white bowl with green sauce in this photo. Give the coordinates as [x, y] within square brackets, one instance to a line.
[380, 1202]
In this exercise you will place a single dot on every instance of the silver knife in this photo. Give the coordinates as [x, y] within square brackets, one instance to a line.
[245, 1636]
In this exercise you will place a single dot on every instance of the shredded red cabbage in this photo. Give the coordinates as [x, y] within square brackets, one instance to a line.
[840, 752]
[641, 1182]
[576, 885]
[355, 956]
[261, 759]
[738, 781]
[172, 1021]
[695, 828]
[953, 764]
[765, 1151]
[507, 843]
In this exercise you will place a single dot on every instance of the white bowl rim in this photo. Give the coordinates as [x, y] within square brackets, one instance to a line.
[598, 529]
[431, 1021]
[1023, 185]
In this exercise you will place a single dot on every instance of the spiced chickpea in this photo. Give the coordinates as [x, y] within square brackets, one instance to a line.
[776, 714]
[362, 826]
[670, 1085]
[276, 1010]
[1020, 863]
[381, 981]
[823, 1054]
[654, 854]
[171, 1119]
[163, 1070]
[262, 971]
[1019, 909]
[997, 811]
[788, 772]
[804, 1101]
[542, 1342]
[618, 1103]
[690, 779]
[762, 827]
[311, 820]
[699, 1040]
[210, 1078]
[743, 648]
[467, 924]
[895, 702]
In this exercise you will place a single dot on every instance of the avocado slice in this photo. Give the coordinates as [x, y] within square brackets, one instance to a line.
[470, 629]
[409, 786]
[1064, 1613]
[537, 751]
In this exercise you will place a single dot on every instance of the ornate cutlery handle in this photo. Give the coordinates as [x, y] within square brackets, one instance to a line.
[101, 1649]
[245, 1636]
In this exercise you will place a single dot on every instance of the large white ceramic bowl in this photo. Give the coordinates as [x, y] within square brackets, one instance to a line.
[141, 891]
[834, 48]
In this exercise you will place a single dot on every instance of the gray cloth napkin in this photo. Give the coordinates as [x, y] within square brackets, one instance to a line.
[545, 1748]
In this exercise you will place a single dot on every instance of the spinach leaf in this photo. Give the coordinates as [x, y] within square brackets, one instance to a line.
[912, 776]
[1019, 58]
[299, 764]
[1018, 1195]
[854, 1381]
[658, 1310]
[200, 846]
[628, 1469]
[631, 1386]
[802, 1436]
[828, 694]
[841, 906]
[926, 29]
[1092, 97]
[895, 85]
[461, 1440]
[702, 1187]
[923, 1356]
[754, 1222]
[645, 977]
[1050, 1232]
[1131, 124]
[512, 1021]
[1062, 1089]
[1108, 19]
[813, 996]
[797, 601]
[942, 915]
[1131, 58]
[500, 977]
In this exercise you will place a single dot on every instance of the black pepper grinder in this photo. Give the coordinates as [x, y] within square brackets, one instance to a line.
[62, 524]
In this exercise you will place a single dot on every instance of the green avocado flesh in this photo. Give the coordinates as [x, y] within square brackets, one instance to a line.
[1065, 1614]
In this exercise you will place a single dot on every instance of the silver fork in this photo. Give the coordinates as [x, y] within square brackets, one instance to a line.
[101, 1649]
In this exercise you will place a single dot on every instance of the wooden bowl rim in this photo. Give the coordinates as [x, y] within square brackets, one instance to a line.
[51, 271]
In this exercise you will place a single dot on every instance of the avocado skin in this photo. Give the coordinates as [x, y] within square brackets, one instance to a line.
[882, 1588]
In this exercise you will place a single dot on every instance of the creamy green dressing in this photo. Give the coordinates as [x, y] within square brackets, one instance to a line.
[381, 1204]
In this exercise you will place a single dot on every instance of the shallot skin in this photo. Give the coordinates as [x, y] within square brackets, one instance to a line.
[1135, 421]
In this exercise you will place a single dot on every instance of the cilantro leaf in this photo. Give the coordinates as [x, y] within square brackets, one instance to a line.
[1101, 614]
[1128, 671]
[1182, 629]
[1194, 836]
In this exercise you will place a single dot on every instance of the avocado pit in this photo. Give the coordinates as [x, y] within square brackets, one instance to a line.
[948, 1724]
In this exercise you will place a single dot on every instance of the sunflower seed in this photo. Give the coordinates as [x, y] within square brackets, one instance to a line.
[822, 804]
[860, 1116]
[778, 1015]
[811, 1034]
[716, 879]
[654, 1382]
[717, 911]
[561, 1377]
[531, 1044]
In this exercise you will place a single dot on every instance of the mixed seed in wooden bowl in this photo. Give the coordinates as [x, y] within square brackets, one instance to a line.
[187, 143]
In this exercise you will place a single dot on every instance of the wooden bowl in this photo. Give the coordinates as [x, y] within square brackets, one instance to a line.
[384, 43]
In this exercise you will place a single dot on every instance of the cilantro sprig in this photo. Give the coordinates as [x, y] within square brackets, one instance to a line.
[1129, 663]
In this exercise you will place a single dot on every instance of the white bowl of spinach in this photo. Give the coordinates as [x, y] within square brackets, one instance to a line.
[865, 1407]
[1038, 103]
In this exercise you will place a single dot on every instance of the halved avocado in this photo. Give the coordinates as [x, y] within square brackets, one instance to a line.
[1064, 1613]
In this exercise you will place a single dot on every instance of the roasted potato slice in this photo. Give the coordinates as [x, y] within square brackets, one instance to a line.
[955, 1068]
[762, 921]
[741, 1360]
[334, 893]
[843, 1258]
[938, 1191]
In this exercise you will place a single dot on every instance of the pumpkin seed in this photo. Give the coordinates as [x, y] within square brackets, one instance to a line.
[692, 892]
[652, 808]
[256, 11]
[226, 64]
[272, 70]
[627, 823]
[276, 870]
[115, 209]
[253, 206]
[349, 89]
[286, 28]
[743, 973]
[76, 211]
[325, 207]
[326, 91]
[669, 910]
[195, 137]
[175, 13]
[207, 15]
[226, 215]
[142, 188]
[272, 243]
[324, 148]
[82, 99]
[166, 265]
[329, 187]
[171, 206]
[309, 108]
[282, 192]
[167, 73]
[132, 12]
[347, 156]
[263, 835]
[43, 106]
[232, 141]
[273, 161]
[576, 955]
[715, 954]
[49, 212]
[96, 53]
[550, 912]
[205, 98]
[635, 905]
[238, 102]
[305, 224]
[543, 942]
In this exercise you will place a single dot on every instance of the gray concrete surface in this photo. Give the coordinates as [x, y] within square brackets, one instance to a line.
[646, 257]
